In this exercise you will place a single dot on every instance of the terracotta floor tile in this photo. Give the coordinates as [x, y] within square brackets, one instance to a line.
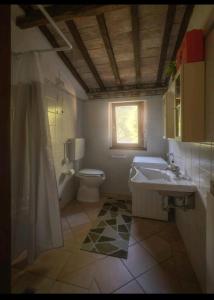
[132, 241]
[31, 281]
[76, 237]
[94, 289]
[130, 288]
[71, 208]
[190, 288]
[65, 224]
[78, 219]
[82, 278]
[50, 263]
[143, 228]
[160, 279]
[92, 213]
[71, 242]
[67, 234]
[15, 274]
[80, 232]
[139, 260]
[184, 268]
[88, 206]
[79, 259]
[157, 247]
[170, 233]
[71, 270]
[110, 274]
[64, 288]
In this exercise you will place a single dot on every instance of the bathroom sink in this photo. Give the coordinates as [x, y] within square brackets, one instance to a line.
[163, 181]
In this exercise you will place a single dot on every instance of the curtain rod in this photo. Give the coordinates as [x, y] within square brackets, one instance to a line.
[53, 23]
[44, 50]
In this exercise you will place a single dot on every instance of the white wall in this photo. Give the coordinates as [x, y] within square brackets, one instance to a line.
[62, 126]
[198, 160]
[98, 154]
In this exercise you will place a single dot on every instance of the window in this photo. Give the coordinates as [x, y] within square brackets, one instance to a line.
[127, 125]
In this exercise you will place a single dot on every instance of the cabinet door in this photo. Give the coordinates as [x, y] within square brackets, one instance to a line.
[164, 116]
[168, 102]
[170, 111]
[178, 106]
[193, 100]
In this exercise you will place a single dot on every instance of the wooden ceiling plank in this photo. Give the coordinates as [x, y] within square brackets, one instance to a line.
[136, 41]
[76, 36]
[62, 13]
[108, 46]
[127, 91]
[165, 41]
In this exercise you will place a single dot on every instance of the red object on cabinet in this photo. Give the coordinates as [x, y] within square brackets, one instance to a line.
[192, 48]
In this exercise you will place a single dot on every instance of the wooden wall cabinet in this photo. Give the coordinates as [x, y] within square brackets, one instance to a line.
[188, 93]
[168, 100]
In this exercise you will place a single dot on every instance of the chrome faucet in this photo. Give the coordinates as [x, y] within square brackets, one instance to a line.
[172, 167]
[176, 169]
[170, 157]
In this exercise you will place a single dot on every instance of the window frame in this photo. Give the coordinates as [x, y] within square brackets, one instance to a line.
[128, 146]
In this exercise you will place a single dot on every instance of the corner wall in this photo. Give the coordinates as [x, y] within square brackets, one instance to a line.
[98, 154]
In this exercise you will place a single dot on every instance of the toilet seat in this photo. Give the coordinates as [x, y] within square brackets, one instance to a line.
[91, 172]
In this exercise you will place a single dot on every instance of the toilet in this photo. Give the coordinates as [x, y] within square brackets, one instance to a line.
[90, 181]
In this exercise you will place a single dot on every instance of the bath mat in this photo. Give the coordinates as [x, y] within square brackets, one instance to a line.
[110, 232]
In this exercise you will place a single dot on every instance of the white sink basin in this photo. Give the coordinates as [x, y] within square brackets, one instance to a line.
[164, 181]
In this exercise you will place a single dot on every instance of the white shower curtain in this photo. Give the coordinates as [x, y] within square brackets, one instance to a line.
[36, 224]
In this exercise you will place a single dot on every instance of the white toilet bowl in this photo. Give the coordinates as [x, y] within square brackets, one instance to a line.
[90, 180]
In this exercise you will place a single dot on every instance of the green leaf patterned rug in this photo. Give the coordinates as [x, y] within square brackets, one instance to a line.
[110, 232]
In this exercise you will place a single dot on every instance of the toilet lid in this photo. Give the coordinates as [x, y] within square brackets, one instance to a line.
[91, 172]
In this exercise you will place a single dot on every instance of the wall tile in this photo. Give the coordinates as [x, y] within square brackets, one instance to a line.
[198, 162]
[62, 126]
[205, 156]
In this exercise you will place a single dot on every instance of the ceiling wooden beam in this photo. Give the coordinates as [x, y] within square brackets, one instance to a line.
[165, 41]
[62, 13]
[182, 31]
[63, 57]
[183, 28]
[136, 41]
[76, 35]
[129, 91]
[108, 47]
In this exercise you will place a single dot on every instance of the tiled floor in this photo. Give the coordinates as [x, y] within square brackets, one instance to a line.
[157, 261]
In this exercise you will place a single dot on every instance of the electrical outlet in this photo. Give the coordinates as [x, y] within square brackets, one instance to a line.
[212, 187]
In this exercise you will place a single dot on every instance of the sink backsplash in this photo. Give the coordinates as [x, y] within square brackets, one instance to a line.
[198, 160]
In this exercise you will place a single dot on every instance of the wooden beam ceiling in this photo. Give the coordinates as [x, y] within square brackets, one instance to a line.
[182, 31]
[63, 57]
[183, 28]
[62, 13]
[165, 41]
[129, 91]
[75, 33]
[108, 47]
[136, 41]
[49, 36]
